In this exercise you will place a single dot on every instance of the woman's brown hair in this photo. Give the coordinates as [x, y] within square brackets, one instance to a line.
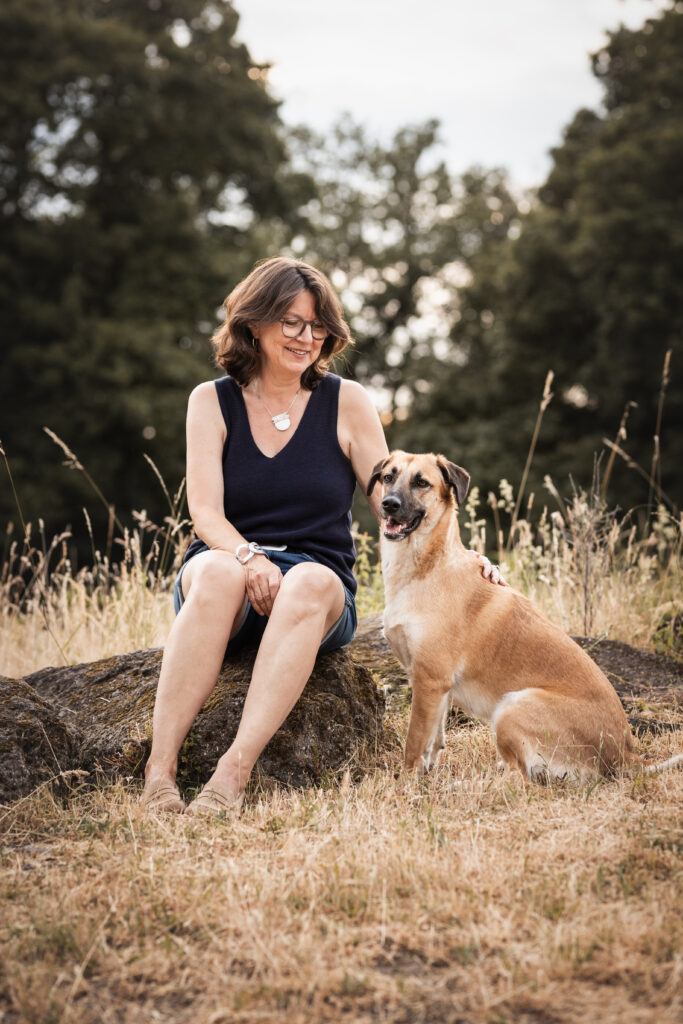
[263, 297]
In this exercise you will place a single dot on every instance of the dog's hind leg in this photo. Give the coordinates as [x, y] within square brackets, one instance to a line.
[536, 736]
[431, 703]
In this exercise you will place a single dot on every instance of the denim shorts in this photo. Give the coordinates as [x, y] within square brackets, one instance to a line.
[253, 625]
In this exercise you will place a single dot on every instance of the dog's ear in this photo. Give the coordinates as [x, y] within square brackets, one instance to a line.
[456, 477]
[376, 473]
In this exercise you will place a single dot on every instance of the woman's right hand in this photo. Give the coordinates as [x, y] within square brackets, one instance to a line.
[262, 581]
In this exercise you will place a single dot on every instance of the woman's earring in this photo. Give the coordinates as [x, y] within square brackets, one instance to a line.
[254, 343]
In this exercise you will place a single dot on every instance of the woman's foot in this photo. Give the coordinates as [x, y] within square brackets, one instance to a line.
[217, 798]
[162, 795]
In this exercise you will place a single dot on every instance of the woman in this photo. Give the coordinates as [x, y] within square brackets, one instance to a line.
[273, 454]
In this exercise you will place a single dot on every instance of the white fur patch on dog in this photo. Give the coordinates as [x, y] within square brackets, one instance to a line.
[506, 701]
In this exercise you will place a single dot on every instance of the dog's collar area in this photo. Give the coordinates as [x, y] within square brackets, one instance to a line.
[394, 530]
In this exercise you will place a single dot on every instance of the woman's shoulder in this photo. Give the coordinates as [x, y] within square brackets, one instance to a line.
[207, 398]
[357, 412]
[208, 389]
[202, 392]
[354, 395]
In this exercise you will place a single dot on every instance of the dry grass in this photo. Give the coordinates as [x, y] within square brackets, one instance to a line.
[463, 897]
[590, 571]
[50, 615]
[84, 624]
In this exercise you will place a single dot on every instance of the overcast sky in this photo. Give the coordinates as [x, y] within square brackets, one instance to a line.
[502, 76]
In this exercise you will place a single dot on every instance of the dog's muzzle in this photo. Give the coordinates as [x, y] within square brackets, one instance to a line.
[399, 522]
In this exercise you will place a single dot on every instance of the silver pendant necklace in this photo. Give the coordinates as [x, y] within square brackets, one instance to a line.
[280, 420]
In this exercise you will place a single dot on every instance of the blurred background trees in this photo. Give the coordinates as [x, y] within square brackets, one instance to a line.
[139, 148]
[590, 288]
[144, 169]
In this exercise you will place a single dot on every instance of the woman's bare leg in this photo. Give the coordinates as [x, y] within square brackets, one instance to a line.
[309, 602]
[213, 583]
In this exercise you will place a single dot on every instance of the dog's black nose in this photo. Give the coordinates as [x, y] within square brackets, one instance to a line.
[391, 504]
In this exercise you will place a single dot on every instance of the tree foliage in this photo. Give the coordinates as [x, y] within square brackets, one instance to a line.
[397, 232]
[139, 146]
[143, 170]
[590, 289]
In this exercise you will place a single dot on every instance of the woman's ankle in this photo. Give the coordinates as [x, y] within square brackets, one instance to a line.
[232, 777]
[155, 770]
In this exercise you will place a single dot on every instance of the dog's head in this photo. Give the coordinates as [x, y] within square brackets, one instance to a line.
[414, 486]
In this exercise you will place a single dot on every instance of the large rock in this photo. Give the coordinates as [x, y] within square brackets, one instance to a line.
[98, 717]
[633, 673]
[36, 743]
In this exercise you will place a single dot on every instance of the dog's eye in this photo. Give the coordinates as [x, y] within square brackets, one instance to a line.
[423, 484]
[387, 478]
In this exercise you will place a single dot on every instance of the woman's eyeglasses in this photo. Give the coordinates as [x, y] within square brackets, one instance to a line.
[293, 326]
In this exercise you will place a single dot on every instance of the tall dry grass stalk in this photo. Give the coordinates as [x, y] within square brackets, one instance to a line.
[620, 438]
[656, 468]
[546, 399]
[590, 571]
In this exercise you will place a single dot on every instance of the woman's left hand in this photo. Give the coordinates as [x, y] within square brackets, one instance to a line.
[262, 582]
[490, 571]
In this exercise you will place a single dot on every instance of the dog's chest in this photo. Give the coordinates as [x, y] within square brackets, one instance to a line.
[403, 624]
[423, 639]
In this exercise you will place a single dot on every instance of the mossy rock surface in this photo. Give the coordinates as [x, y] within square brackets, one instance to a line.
[36, 742]
[634, 673]
[98, 717]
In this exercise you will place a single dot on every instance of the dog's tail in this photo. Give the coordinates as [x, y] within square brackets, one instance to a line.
[663, 766]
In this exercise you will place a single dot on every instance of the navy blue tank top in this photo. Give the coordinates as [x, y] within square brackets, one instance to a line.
[300, 497]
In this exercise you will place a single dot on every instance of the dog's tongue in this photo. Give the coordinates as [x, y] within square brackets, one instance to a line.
[393, 526]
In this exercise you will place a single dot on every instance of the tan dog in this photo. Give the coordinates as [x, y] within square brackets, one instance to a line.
[484, 647]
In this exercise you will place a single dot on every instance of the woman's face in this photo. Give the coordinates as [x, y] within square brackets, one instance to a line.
[290, 355]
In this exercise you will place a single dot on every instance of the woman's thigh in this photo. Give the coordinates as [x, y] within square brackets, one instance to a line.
[313, 588]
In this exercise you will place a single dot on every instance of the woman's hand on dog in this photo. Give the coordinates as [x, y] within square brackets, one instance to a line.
[490, 571]
[263, 579]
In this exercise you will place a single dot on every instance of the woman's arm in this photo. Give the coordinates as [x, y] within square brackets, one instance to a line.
[361, 436]
[206, 434]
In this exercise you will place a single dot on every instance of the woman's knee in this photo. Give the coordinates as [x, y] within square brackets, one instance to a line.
[215, 576]
[310, 589]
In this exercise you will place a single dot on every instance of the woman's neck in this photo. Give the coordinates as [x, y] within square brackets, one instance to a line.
[268, 384]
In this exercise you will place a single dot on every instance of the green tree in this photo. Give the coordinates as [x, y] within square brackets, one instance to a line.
[397, 233]
[590, 289]
[139, 148]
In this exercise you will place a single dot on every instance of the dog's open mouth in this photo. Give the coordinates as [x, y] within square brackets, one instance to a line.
[393, 530]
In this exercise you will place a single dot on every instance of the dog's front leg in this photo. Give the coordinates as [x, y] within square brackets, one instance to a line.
[428, 695]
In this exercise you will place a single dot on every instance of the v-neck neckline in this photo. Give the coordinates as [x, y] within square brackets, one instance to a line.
[289, 440]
